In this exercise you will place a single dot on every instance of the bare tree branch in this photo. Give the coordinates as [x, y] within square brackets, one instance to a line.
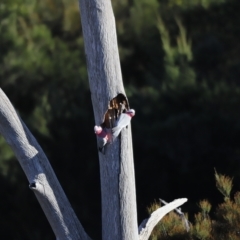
[40, 175]
[180, 213]
[147, 225]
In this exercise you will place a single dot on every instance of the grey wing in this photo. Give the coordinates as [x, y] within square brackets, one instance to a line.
[115, 132]
[122, 122]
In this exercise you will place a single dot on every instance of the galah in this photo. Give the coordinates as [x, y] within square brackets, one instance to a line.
[104, 137]
[123, 120]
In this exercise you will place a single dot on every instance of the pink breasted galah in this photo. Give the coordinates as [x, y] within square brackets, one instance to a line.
[104, 137]
[123, 120]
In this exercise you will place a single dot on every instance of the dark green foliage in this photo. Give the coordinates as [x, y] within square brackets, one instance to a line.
[180, 64]
[224, 224]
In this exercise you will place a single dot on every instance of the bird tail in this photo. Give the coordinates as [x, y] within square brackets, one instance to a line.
[102, 144]
[102, 150]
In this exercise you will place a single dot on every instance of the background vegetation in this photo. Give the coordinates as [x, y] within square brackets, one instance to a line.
[181, 69]
[224, 225]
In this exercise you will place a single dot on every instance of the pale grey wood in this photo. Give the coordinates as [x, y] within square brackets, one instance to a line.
[181, 214]
[147, 225]
[40, 175]
[119, 214]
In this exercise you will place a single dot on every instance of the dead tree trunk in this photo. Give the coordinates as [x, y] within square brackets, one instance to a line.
[119, 214]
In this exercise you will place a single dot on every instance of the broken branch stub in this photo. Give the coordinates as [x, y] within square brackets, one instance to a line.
[146, 227]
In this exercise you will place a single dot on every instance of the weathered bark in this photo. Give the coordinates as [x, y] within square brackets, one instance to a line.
[119, 214]
[41, 177]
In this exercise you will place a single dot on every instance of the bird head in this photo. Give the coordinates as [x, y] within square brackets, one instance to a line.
[97, 129]
[131, 112]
